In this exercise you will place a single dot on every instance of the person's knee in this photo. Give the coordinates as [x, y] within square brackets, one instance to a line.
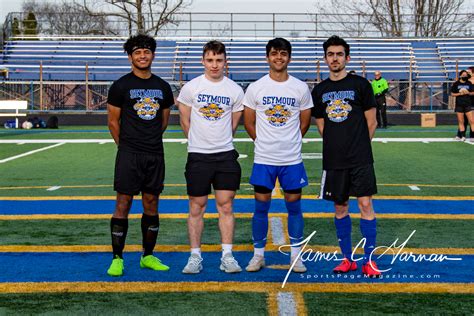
[225, 208]
[341, 209]
[197, 207]
[123, 205]
[365, 205]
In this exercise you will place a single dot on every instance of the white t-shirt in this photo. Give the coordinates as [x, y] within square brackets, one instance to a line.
[278, 106]
[212, 105]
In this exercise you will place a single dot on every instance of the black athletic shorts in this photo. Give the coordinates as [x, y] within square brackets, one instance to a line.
[139, 172]
[338, 185]
[221, 170]
[463, 108]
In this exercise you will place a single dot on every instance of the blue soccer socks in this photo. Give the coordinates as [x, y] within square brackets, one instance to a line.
[343, 232]
[368, 228]
[260, 223]
[295, 221]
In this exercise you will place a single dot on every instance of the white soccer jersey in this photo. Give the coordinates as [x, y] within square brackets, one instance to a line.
[212, 105]
[278, 106]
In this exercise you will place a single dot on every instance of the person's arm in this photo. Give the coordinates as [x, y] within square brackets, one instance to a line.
[113, 121]
[305, 121]
[385, 90]
[370, 116]
[184, 118]
[250, 117]
[235, 120]
[320, 125]
[165, 118]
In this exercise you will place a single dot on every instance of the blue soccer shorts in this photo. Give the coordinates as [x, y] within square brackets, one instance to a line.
[290, 177]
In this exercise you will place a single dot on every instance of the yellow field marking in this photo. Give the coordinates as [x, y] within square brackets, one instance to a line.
[300, 304]
[277, 187]
[240, 196]
[269, 234]
[215, 248]
[284, 222]
[250, 287]
[272, 303]
[237, 215]
[277, 190]
[278, 266]
[416, 184]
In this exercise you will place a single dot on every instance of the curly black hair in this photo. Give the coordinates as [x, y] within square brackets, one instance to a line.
[139, 41]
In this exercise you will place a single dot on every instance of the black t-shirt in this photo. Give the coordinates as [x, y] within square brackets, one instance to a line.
[462, 100]
[142, 102]
[342, 104]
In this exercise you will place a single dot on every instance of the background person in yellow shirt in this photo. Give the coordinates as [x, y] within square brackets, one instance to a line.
[380, 87]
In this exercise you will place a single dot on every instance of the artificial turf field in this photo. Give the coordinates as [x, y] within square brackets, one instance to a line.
[56, 199]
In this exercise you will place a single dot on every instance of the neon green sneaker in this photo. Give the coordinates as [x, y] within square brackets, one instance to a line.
[152, 262]
[116, 267]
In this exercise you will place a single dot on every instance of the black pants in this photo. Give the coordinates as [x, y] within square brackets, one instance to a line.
[381, 111]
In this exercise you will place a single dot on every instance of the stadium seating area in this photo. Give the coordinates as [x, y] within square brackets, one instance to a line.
[104, 60]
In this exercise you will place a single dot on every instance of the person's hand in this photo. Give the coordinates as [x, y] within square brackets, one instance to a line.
[464, 91]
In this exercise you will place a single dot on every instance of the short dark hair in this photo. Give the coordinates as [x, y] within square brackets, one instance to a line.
[214, 46]
[278, 43]
[139, 41]
[336, 41]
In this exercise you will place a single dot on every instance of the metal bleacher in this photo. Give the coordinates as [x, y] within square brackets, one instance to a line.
[457, 54]
[69, 60]
[247, 59]
[104, 60]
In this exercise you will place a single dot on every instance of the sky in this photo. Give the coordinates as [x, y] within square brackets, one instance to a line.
[224, 6]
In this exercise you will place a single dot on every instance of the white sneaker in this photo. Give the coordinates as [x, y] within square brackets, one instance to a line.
[299, 266]
[256, 263]
[460, 138]
[229, 264]
[194, 264]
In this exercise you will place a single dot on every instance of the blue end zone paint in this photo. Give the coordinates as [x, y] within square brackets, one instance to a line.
[91, 267]
[241, 206]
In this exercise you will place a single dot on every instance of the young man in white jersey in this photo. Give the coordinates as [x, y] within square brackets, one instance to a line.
[277, 115]
[210, 108]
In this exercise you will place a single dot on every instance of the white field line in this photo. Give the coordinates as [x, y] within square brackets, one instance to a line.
[57, 187]
[237, 140]
[278, 236]
[286, 304]
[30, 153]
[414, 188]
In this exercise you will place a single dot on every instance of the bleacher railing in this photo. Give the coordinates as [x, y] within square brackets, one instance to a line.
[259, 26]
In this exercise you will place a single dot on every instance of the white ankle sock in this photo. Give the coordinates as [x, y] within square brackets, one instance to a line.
[259, 251]
[196, 251]
[295, 251]
[226, 248]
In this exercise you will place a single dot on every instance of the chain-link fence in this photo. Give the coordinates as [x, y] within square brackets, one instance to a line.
[403, 96]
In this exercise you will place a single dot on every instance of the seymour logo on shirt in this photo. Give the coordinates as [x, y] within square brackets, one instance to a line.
[147, 105]
[213, 109]
[338, 108]
[277, 115]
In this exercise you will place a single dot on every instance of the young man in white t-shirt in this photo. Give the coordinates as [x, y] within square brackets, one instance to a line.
[277, 114]
[210, 107]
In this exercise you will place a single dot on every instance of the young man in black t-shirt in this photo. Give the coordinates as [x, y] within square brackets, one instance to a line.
[345, 111]
[138, 112]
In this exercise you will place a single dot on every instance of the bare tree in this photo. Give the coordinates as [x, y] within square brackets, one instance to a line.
[397, 18]
[67, 18]
[142, 16]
